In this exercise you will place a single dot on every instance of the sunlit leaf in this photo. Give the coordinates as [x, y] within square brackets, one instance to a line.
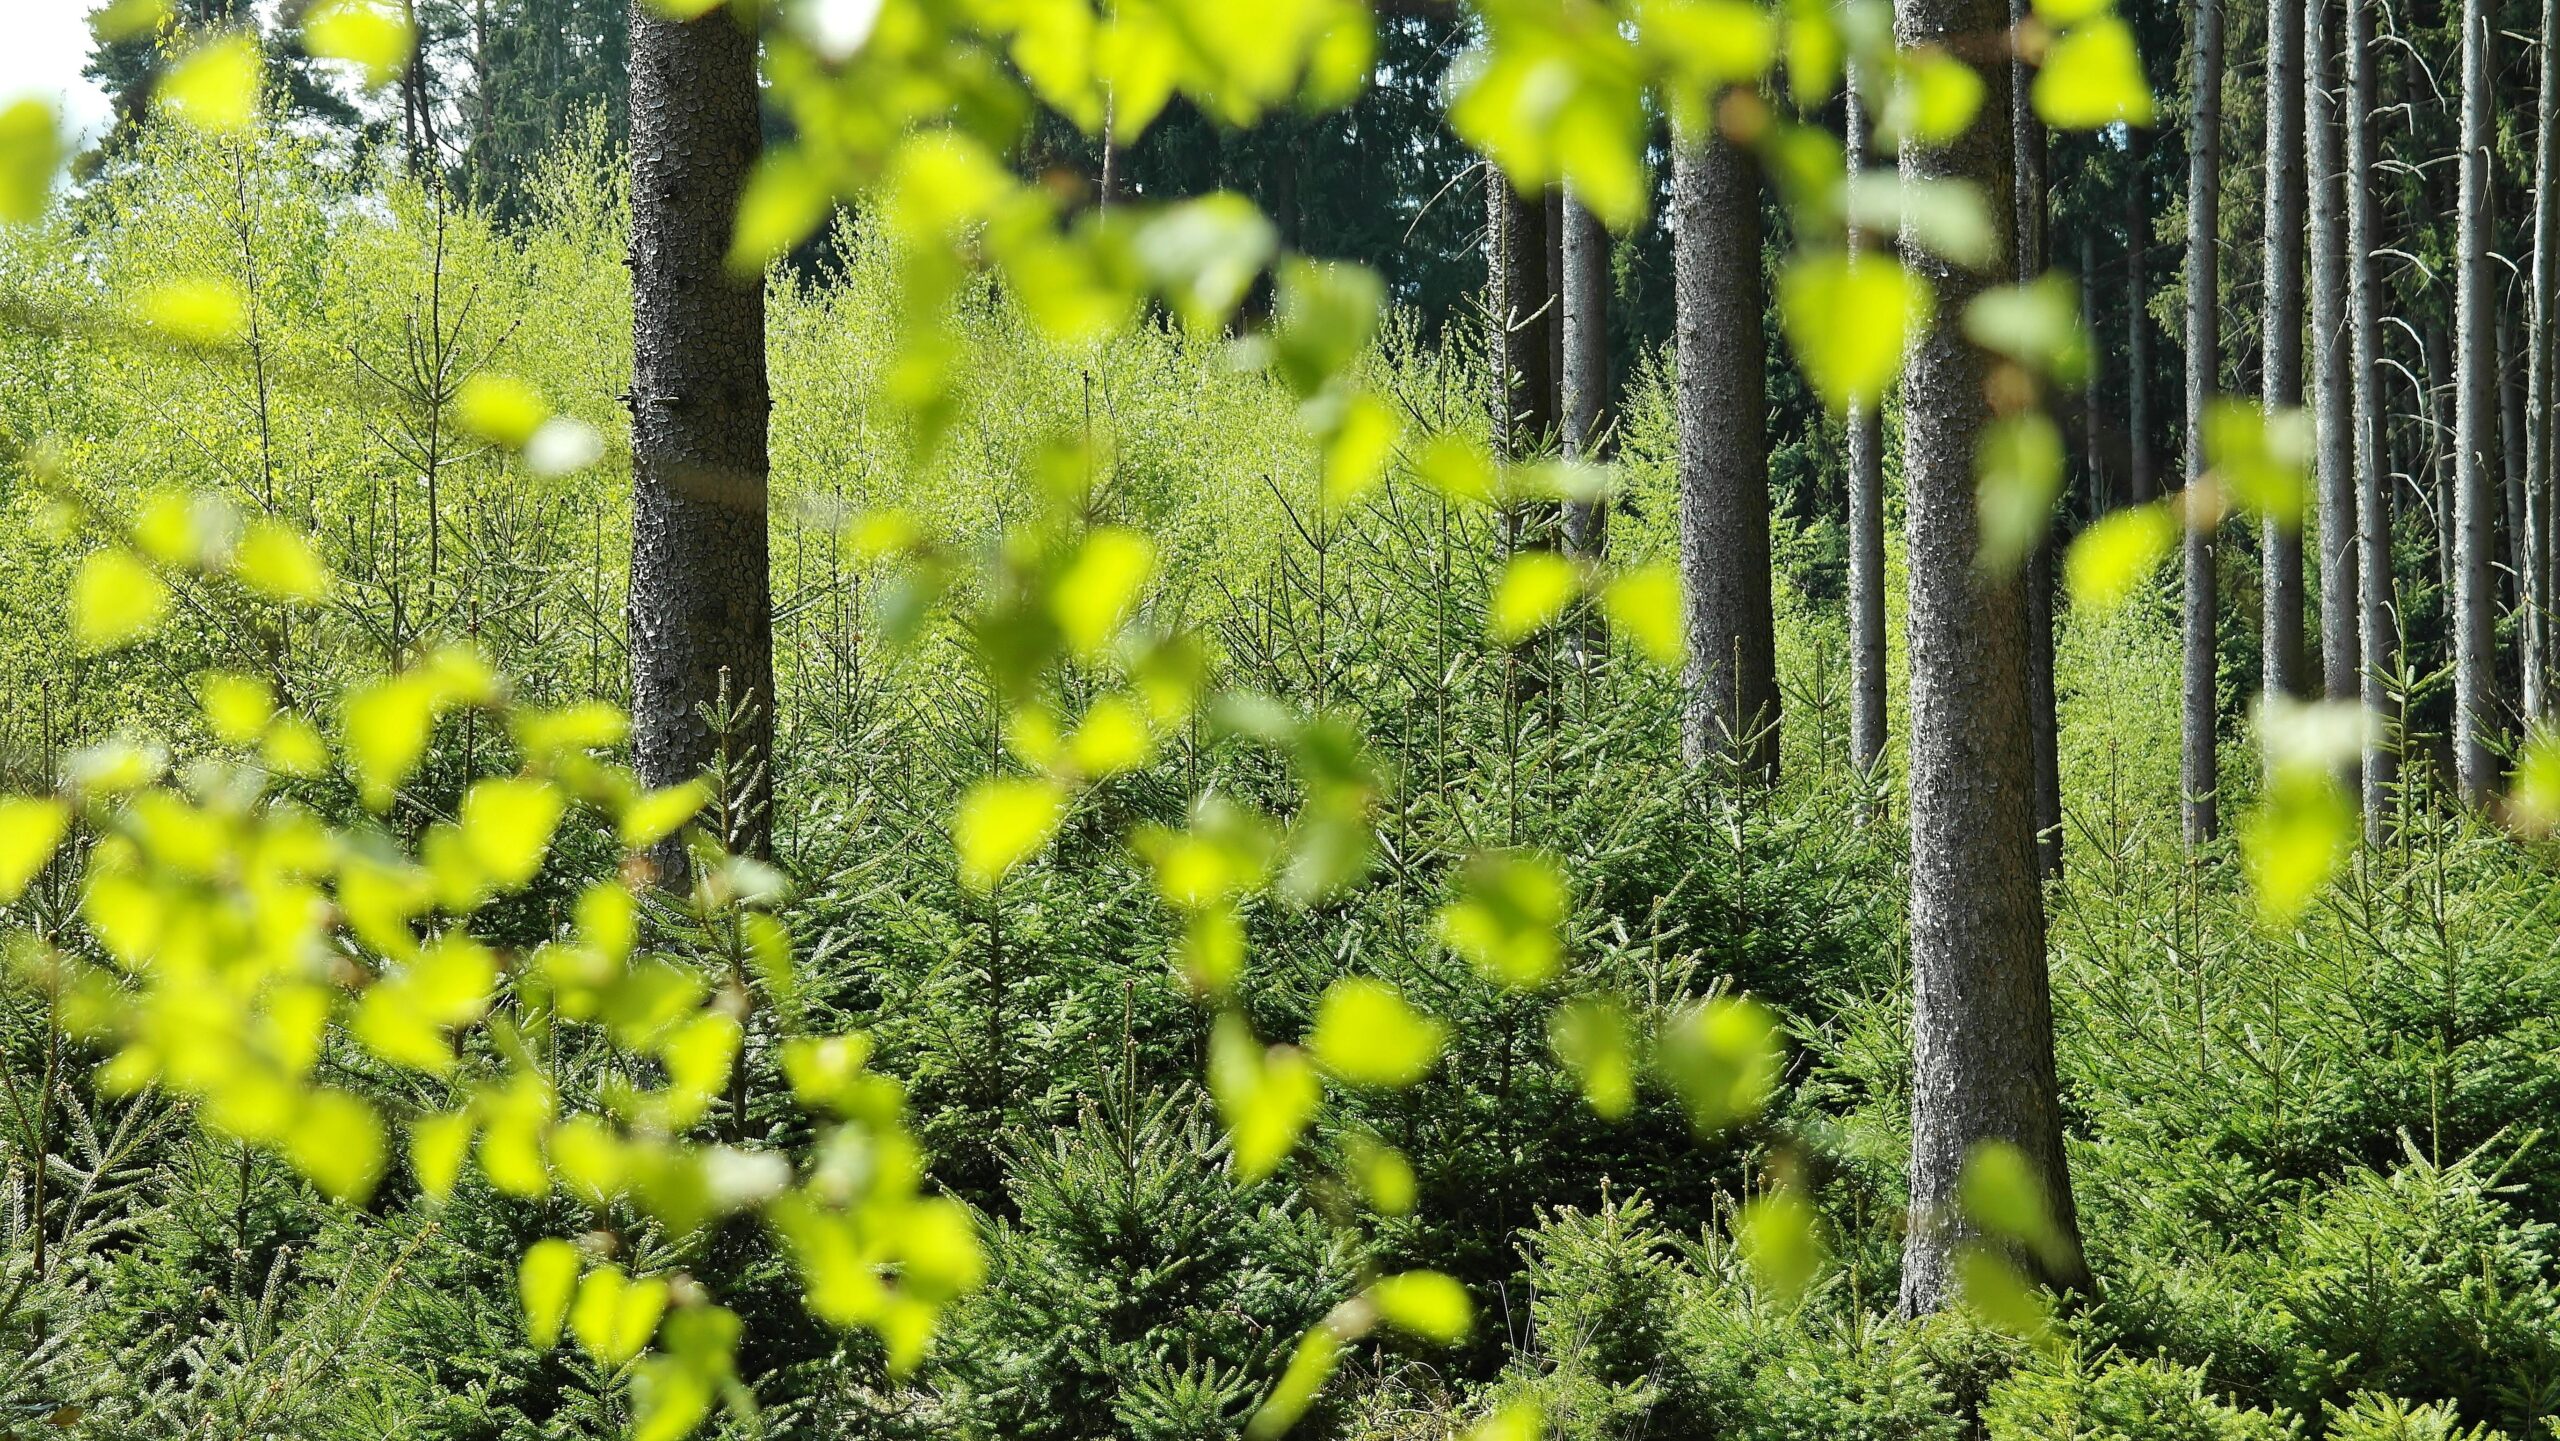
[614, 1315]
[2091, 77]
[787, 198]
[1385, 1177]
[1535, 588]
[1849, 322]
[2261, 458]
[1723, 1059]
[2116, 554]
[2000, 1192]
[1266, 1096]
[1934, 102]
[31, 154]
[29, 832]
[500, 408]
[1427, 1304]
[507, 825]
[1365, 1034]
[1003, 822]
[277, 562]
[1946, 217]
[1204, 254]
[653, 817]
[1994, 1289]
[1595, 1037]
[2533, 796]
[214, 87]
[1359, 436]
[374, 34]
[1325, 315]
[116, 600]
[1506, 919]
[201, 311]
[1645, 603]
[2036, 324]
[2294, 840]
[1513, 1421]
[546, 1279]
[1096, 592]
[438, 1147]
[1780, 1238]
[2017, 478]
[336, 1142]
[1310, 1366]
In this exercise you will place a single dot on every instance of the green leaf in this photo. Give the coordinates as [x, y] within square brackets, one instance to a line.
[1506, 919]
[1780, 1239]
[116, 601]
[787, 198]
[2262, 458]
[1945, 217]
[336, 1142]
[1995, 1290]
[31, 154]
[546, 1277]
[507, 826]
[2017, 478]
[277, 562]
[1359, 436]
[1325, 315]
[30, 831]
[214, 87]
[1595, 1038]
[2036, 324]
[1514, 1421]
[439, 1145]
[374, 34]
[386, 726]
[1266, 1096]
[2000, 1192]
[500, 408]
[1003, 822]
[2117, 553]
[614, 1316]
[1850, 322]
[2294, 840]
[2533, 798]
[1723, 1058]
[1365, 1034]
[1535, 588]
[1934, 103]
[1645, 603]
[1427, 1304]
[1204, 254]
[653, 817]
[1099, 588]
[2092, 77]
[1310, 1366]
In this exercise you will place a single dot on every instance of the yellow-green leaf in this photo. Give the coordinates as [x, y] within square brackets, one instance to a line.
[116, 600]
[214, 87]
[500, 408]
[1427, 1304]
[1359, 438]
[546, 1279]
[1367, 1035]
[31, 154]
[2294, 840]
[1266, 1096]
[198, 311]
[2117, 553]
[438, 1147]
[1850, 321]
[1781, 1241]
[2017, 476]
[277, 562]
[373, 34]
[1596, 1039]
[335, 1141]
[1533, 592]
[1645, 603]
[1097, 590]
[2092, 77]
[657, 815]
[614, 1316]
[30, 830]
[787, 198]
[1310, 1366]
[507, 825]
[1723, 1059]
[1003, 822]
[1506, 918]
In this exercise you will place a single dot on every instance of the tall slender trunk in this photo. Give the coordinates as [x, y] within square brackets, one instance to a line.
[2141, 476]
[2517, 552]
[1732, 706]
[2476, 719]
[2280, 370]
[2095, 492]
[2379, 634]
[2027, 145]
[2539, 356]
[1587, 418]
[2332, 357]
[1982, 1015]
[701, 586]
[2198, 772]
[1523, 310]
[1867, 724]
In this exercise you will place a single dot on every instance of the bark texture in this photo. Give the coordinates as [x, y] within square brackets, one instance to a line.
[2142, 482]
[2476, 715]
[2332, 356]
[2027, 143]
[1587, 419]
[1524, 311]
[1867, 723]
[701, 597]
[1982, 1054]
[2280, 539]
[2380, 636]
[1731, 710]
[2539, 355]
[2198, 764]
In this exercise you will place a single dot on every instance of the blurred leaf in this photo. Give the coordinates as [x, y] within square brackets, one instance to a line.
[237, 708]
[500, 408]
[2118, 551]
[1816, 53]
[116, 600]
[1310, 1366]
[1204, 254]
[1359, 435]
[29, 832]
[1850, 322]
[2091, 77]
[2000, 1192]
[614, 1315]
[1326, 313]
[1723, 1059]
[31, 154]
[1934, 103]
[2263, 459]
[1513, 1421]
[1505, 921]
[1780, 1238]
[201, 311]
[1946, 217]
[2036, 324]
[1995, 1290]
[1645, 603]
[1365, 1034]
[2018, 476]
[507, 825]
[1385, 1177]
[1595, 1037]
[653, 817]
[1427, 1304]
[336, 1142]
[438, 1147]
[276, 561]
[214, 87]
[1097, 591]
[374, 34]
[1003, 822]
[2294, 840]
[1266, 1096]
[2533, 800]
[787, 198]
[1535, 588]
[128, 19]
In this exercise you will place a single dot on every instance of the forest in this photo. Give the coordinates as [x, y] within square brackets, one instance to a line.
[1372, 720]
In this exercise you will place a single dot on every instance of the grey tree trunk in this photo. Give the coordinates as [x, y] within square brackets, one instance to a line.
[2141, 476]
[2332, 356]
[2198, 768]
[1523, 310]
[2517, 551]
[2027, 144]
[2379, 634]
[2476, 719]
[1587, 419]
[1732, 708]
[1867, 723]
[701, 588]
[1982, 1019]
[2280, 615]
[2097, 496]
[2539, 356]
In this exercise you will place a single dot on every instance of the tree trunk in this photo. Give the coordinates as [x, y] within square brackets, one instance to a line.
[2096, 496]
[2518, 551]
[2280, 372]
[2198, 772]
[2141, 478]
[2332, 356]
[1982, 1020]
[1867, 724]
[1523, 310]
[2539, 357]
[2379, 634]
[2476, 720]
[1587, 419]
[2027, 159]
[701, 598]
[1732, 707]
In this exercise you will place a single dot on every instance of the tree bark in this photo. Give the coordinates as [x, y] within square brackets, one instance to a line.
[2280, 372]
[2332, 357]
[2379, 638]
[2198, 770]
[1732, 686]
[1587, 419]
[1982, 1022]
[2517, 583]
[2141, 475]
[2476, 720]
[1867, 723]
[701, 597]
[2539, 357]
[1523, 311]
[2027, 158]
